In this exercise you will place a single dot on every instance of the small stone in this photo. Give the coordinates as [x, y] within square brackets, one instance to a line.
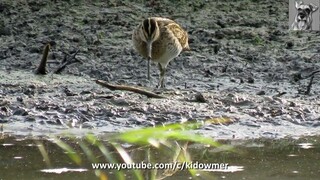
[19, 99]
[34, 49]
[208, 73]
[212, 41]
[29, 92]
[232, 109]
[292, 104]
[232, 80]
[199, 98]
[75, 39]
[30, 119]
[20, 112]
[261, 93]
[221, 23]
[216, 48]
[68, 92]
[250, 80]
[290, 44]
[219, 35]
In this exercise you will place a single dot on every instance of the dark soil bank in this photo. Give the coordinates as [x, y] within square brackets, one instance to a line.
[245, 62]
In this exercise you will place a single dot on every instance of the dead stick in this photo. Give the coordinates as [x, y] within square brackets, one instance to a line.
[309, 86]
[42, 66]
[128, 88]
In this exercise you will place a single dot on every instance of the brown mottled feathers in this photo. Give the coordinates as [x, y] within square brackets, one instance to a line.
[180, 34]
[160, 40]
[177, 31]
[164, 25]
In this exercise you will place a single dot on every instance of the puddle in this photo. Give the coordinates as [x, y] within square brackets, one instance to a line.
[252, 159]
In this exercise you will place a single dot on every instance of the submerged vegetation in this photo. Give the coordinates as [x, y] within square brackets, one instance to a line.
[172, 139]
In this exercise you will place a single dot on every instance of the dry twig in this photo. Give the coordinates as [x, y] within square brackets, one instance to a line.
[67, 60]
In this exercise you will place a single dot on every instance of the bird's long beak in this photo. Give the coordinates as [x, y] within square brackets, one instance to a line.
[149, 49]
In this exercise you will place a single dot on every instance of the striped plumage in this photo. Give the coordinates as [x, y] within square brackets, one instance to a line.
[160, 40]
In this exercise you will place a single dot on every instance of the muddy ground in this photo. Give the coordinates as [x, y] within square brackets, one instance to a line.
[246, 63]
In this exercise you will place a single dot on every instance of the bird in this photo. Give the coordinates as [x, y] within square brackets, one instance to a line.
[159, 40]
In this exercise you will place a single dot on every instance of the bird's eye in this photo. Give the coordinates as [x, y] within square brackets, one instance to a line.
[299, 9]
[308, 11]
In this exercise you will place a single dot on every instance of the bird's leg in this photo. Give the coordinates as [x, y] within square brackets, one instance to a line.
[149, 51]
[148, 69]
[162, 73]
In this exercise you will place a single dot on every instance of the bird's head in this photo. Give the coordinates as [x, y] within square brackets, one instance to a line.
[149, 33]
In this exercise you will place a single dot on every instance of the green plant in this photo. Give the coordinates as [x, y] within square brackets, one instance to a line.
[257, 40]
[172, 139]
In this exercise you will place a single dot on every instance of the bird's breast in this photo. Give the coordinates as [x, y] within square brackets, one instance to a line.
[163, 53]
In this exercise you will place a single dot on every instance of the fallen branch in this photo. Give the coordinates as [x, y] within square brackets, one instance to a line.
[113, 87]
[42, 66]
[67, 61]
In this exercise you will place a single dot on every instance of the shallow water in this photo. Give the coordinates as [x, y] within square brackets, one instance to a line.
[254, 78]
[252, 159]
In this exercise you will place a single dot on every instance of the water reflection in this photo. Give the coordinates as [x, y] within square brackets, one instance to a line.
[63, 170]
[253, 159]
[306, 145]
